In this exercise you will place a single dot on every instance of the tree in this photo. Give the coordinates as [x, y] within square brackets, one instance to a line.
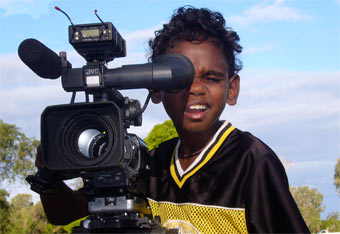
[4, 211]
[309, 202]
[40, 223]
[16, 153]
[160, 133]
[25, 217]
[20, 217]
[332, 222]
[337, 176]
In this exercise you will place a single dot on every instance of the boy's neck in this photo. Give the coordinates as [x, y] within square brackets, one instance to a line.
[192, 143]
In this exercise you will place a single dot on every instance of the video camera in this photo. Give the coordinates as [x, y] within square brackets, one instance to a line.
[89, 139]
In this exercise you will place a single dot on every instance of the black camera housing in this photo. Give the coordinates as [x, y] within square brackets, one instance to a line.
[99, 41]
[61, 127]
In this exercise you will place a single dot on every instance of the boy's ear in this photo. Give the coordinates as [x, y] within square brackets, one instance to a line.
[234, 89]
[156, 97]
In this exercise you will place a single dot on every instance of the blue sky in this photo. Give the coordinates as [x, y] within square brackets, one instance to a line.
[290, 90]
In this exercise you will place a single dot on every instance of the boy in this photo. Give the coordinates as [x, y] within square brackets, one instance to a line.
[214, 178]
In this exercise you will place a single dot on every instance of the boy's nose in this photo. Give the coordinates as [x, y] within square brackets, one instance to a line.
[197, 87]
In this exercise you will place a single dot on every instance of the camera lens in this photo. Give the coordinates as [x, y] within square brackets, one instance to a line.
[92, 143]
[89, 140]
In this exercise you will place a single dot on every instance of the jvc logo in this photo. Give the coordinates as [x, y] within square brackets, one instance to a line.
[92, 71]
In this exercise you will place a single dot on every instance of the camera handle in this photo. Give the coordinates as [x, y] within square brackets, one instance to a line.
[43, 180]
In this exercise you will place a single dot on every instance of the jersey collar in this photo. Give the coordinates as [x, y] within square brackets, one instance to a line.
[207, 153]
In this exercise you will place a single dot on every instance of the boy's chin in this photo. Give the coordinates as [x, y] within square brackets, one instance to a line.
[200, 127]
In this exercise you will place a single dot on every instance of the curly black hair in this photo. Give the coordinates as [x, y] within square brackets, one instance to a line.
[198, 25]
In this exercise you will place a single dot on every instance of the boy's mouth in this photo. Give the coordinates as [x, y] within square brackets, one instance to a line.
[196, 111]
[196, 108]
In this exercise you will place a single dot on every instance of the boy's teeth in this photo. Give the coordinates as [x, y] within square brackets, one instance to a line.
[197, 107]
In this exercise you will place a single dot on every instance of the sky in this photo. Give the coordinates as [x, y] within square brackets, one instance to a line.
[290, 86]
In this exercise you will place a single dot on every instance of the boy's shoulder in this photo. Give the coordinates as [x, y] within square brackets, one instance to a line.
[243, 148]
[248, 143]
[165, 148]
[168, 144]
[246, 148]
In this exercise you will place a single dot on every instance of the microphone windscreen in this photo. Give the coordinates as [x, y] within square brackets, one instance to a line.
[40, 59]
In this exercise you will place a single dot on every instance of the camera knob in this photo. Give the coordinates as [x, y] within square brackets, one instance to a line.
[131, 112]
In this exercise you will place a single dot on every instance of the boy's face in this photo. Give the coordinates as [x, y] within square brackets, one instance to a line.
[197, 109]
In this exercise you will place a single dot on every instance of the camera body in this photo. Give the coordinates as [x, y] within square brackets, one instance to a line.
[90, 139]
[87, 136]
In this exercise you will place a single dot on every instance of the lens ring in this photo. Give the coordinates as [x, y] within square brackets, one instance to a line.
[89, 141]
[68, 138]
[98, 145]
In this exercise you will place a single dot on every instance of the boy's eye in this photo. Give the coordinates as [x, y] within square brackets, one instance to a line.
[212, 79]
[213, 76]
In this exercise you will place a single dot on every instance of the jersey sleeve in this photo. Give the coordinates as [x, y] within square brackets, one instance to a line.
[270, 207]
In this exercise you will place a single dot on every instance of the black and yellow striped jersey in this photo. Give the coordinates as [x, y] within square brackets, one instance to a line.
[236, 185]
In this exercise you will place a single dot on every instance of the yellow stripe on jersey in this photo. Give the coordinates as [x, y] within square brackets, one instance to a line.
[196, 218]
[208, 157]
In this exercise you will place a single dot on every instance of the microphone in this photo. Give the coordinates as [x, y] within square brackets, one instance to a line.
[40, 59]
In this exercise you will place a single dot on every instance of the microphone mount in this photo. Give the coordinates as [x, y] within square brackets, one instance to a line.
[96, 42]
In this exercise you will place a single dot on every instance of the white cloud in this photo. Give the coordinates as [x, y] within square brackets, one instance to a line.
[140, 36]
[33, 8]
[269, 11]
[315, 173]
[6, 3]
[311, 165]
[257, 49]
[287, 163]
[279, 97]
[19, 188]
[138, 41]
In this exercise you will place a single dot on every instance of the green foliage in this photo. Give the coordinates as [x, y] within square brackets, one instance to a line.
[309, 202]
[4, 211]
[68, 228]
[16, 153]
[332, 222]
[337, 176]
[160, 133]
[20, 217]
[25, 217]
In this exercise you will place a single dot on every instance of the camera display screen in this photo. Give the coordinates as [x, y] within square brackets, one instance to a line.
[90, 32]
